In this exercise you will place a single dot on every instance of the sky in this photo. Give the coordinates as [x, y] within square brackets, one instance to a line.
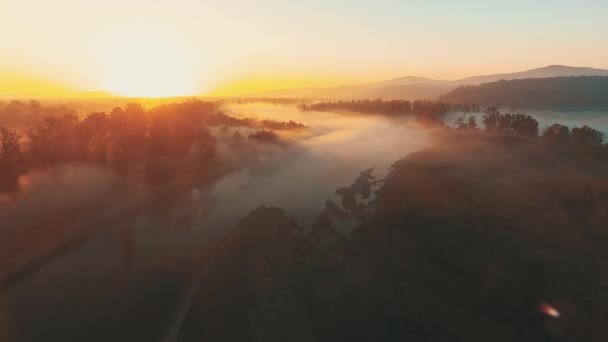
[188, 47]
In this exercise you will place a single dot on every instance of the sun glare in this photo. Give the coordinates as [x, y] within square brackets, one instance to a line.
[148, 65]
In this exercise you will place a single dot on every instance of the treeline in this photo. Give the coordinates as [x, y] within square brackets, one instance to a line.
[525, 125]
[161, 144]
[19, 114]
[422, 110]
[270, 100]
[557, 92]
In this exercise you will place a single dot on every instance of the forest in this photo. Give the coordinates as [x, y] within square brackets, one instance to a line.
[157, 145]
[495, 220]
[558, 92]
[483, 235]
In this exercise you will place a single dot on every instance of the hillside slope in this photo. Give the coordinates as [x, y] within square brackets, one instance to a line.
[412, 87]
[556, 92]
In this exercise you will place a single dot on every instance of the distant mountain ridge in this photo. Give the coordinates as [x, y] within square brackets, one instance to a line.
[413, 87]
[545, 72]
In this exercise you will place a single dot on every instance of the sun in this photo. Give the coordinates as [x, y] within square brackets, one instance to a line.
[149, 65]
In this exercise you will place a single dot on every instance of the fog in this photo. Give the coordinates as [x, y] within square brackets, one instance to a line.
[298, 175]
[305, 173]
[95, 254]
[128, 250]
[597, 119]
[99, 255]
[474, 227]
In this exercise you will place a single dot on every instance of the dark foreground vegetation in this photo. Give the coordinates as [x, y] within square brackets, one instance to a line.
[476, 238]
[67, 178]
[481, 236]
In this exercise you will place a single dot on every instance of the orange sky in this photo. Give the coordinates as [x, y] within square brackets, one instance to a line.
[189, 47]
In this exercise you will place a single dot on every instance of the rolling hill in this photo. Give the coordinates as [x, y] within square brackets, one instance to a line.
[554, 92]
[412, 87]
[545, 72]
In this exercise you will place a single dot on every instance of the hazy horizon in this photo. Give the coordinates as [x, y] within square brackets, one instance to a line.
[286, 85]
[211, 48]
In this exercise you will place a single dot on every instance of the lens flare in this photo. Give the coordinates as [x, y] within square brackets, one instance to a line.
[548, 310]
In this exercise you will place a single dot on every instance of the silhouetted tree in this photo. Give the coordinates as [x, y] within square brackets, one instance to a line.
[266, 136]
[137, 124]
[472, 124]
[9, 158]
[9, 145]
[518, 124]
[392, 107]
[463, 123]
[587, 136]
[95, 135]
[54, 139]
[558, 134]
[460, 124]
[490, 119]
